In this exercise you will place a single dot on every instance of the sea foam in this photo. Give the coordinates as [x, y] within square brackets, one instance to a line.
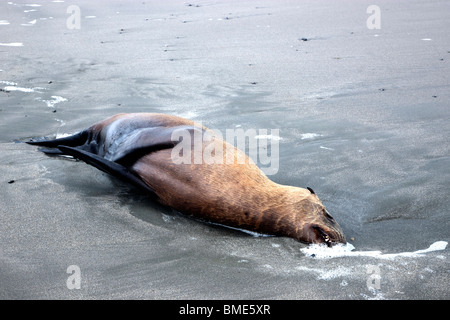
[321, 251]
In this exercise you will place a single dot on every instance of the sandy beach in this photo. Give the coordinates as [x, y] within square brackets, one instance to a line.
[361, 99]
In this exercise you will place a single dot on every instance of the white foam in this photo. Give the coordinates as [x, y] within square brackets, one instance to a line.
[167, 218]
[305, 136]
[268, 137]
[321, 251]
[12, 44]
[252, 233]
[328, 274]
[31, 23]
[9, 83]
[437, 246]
[14, 88]
[4, 22]
[55, 100]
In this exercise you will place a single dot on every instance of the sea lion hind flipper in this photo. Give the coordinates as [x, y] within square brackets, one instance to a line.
[110, 167]
[51, 151]
[77, 139]
[149, 140]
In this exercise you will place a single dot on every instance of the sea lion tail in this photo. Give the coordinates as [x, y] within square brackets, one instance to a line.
[110, 167]
[75, 140]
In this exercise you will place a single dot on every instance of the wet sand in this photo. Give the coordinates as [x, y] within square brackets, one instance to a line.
[363, 116]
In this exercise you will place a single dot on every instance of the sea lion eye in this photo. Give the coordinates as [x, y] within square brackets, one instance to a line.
[310, 190]
[326, 214]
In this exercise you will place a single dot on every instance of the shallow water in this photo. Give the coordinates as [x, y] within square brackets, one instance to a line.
[363, 118]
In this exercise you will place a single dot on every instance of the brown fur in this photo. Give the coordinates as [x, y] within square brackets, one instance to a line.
[237, 195]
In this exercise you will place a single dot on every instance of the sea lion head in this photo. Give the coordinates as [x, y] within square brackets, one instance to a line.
[317, 225]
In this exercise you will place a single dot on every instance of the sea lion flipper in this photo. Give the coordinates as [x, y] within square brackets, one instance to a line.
[72, 141]
[147, 140]
[51, 151]
[110, 167]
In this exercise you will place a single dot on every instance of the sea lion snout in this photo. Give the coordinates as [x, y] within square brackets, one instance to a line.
[316, 233]
[319, 226]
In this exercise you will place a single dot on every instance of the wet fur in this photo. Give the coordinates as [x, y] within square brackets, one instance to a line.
[237, 195]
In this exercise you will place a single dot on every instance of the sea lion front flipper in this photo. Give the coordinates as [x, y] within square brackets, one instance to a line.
[110, 167]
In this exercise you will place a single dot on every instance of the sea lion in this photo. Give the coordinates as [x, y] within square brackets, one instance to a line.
[139, 148]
